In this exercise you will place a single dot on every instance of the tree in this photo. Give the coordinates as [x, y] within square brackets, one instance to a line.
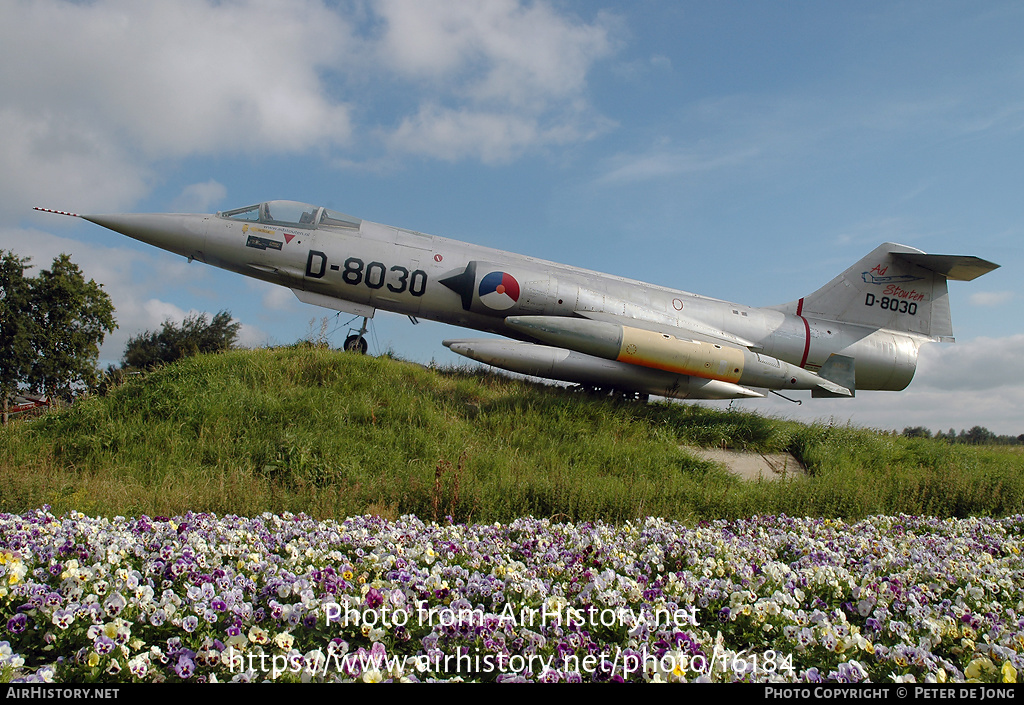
[51, 327]
[72, 318]
[917, 432]
[195, 335]
[978, 435]
[16, 326]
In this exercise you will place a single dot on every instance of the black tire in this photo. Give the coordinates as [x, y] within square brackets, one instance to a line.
[356, 343]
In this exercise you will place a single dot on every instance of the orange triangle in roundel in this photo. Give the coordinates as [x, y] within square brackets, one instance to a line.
[288, 237]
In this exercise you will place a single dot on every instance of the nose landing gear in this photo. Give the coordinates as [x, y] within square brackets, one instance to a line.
[356, 342]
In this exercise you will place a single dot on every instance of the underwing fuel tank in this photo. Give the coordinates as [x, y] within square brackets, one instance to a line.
[661, 351]
[571, 366]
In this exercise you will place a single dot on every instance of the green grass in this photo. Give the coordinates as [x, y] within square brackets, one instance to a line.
[330, 434]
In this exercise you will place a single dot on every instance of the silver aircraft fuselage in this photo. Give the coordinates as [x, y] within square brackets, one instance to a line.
[861, 331]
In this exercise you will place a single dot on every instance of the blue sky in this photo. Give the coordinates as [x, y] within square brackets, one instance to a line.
[743, 150]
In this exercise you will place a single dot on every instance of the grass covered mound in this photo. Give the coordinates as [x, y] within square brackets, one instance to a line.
[333, 435]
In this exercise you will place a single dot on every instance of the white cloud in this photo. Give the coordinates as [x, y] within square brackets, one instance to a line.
[200, 198]
[760, 132]
[53, 161]
[158, 312]
[493, 137]
[95, 93]
[978, 365]
[974, 383]
[173, 78]
[662, 162]
[276, 298]
[990, 298]
[739, 134]
[500, 76]
[515, 54]
[250, 336]
[869, 233]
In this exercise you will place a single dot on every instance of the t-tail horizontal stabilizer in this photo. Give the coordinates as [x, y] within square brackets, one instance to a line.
[895, 287]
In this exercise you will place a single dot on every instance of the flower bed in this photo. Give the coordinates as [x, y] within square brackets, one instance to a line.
[777, 599]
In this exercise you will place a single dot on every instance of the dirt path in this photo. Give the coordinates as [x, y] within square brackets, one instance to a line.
[751, 466]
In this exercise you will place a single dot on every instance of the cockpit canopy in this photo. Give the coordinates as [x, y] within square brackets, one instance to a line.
[291, 214]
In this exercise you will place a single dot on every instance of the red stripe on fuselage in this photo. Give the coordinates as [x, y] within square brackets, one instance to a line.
[807, 332]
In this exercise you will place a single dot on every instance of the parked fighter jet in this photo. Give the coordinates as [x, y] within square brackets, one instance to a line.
[862, 330]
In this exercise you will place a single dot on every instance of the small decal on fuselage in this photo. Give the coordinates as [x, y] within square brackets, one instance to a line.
[263, 243]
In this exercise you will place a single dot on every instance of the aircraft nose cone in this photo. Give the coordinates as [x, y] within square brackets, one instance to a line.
[179, 233]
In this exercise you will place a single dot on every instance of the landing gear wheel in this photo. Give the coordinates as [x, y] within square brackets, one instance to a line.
[356, 343]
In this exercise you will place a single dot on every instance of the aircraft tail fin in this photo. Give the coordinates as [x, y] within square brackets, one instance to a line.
[895, 287]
